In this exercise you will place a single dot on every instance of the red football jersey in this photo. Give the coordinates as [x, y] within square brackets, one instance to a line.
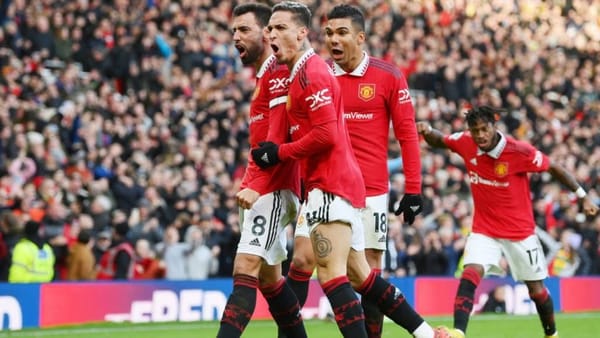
[500, 184]
[268, 103]
[314, 101]
[375, 93]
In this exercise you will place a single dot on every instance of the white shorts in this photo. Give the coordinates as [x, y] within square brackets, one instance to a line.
[263, 227]
[375, 222]
[324, 207]
[525, 258]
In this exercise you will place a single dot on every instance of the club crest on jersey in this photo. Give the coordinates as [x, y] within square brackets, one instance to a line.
[366, 91]
[501, 169]
[301, 221]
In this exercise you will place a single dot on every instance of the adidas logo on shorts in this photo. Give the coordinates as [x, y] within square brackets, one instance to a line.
[254, 242]
[382, 239]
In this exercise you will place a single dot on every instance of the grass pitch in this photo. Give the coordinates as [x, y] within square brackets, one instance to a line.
[579, 325]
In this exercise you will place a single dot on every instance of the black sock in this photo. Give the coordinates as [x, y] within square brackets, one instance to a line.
[346, 307]
[373, 316]
[285, 309]
[545, 309]
[391, 302]
[239, 308]
[298, 281]
[463, 303]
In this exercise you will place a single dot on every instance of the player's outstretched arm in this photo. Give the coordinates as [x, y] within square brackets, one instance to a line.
[432, 136]
[563, 176]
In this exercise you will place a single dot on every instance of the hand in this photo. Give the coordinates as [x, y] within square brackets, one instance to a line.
[424, 128]
[589, 207]
[411, 205]
[246, 198]
[266, 155]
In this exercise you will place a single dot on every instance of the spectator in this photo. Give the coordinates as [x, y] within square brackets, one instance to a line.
[101, 245]
[146, 265]
[32, 259]
[55, 232]
[118, 261]
[9, 230]
[201, 262]
[431, 260]
[173, 253]
[81, 264]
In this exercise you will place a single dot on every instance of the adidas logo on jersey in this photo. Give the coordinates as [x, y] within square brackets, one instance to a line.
[254, 242]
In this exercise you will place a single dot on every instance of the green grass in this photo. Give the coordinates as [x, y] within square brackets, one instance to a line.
[581, 325]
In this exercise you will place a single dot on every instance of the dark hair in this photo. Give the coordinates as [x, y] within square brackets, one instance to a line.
[261, 11]
[343, 11]
[122, 229]
[484, 113]
[301, 13]
[31, 229]
[84, 236]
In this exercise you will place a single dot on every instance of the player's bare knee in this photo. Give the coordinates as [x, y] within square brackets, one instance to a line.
[355, 280]
[305, 262]
[304, 258]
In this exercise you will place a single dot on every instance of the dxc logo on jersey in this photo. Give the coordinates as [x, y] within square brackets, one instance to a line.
[278, 83]
[319, 99]
[404, 96]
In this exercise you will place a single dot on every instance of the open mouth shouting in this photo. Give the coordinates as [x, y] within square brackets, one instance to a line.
[336, 53]
[242, 51]
[275, 49]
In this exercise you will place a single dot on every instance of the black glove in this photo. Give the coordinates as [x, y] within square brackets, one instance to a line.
[411, 205]
[266, 155]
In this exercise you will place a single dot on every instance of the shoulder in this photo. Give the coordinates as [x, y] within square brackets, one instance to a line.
[317, 65]
[385, 68]
[464, 136]
[316, 71]
[21, 246]
[517, 147]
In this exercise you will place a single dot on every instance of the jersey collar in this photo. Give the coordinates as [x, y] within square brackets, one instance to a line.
[497, 151]
[358, 71]
[301, 61]
[265, 65]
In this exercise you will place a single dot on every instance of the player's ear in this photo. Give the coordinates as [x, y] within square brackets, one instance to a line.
[302, 33]
[361, 37]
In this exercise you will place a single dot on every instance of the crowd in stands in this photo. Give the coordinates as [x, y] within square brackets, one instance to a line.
[126, 119]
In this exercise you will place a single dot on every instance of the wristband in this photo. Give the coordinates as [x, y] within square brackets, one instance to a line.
[580, 193]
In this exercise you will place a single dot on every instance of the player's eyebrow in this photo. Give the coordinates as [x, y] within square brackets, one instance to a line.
[279, 26]
[242, 28]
